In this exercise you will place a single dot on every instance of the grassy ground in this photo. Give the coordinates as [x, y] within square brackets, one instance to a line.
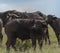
[53, 48]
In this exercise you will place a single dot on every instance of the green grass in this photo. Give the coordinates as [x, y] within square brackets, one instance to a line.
[53, 48]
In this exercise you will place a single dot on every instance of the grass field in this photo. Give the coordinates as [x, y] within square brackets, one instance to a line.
[53, 48]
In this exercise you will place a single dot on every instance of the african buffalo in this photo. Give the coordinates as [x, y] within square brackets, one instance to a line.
[35, 15]
[8, 16]
[13, 14]
[55, 24]
[25, 29]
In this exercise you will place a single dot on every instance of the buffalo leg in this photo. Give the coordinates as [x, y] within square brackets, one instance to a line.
[34, 43]
[58, 38]
[40, 42]
[8, 44]
[47, 37]
[13, 44]
[1, 37]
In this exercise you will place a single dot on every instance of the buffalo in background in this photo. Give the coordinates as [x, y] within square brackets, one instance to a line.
[55, 24]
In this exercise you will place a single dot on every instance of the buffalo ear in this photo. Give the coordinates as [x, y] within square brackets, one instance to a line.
[49, 16]
[54, 17]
